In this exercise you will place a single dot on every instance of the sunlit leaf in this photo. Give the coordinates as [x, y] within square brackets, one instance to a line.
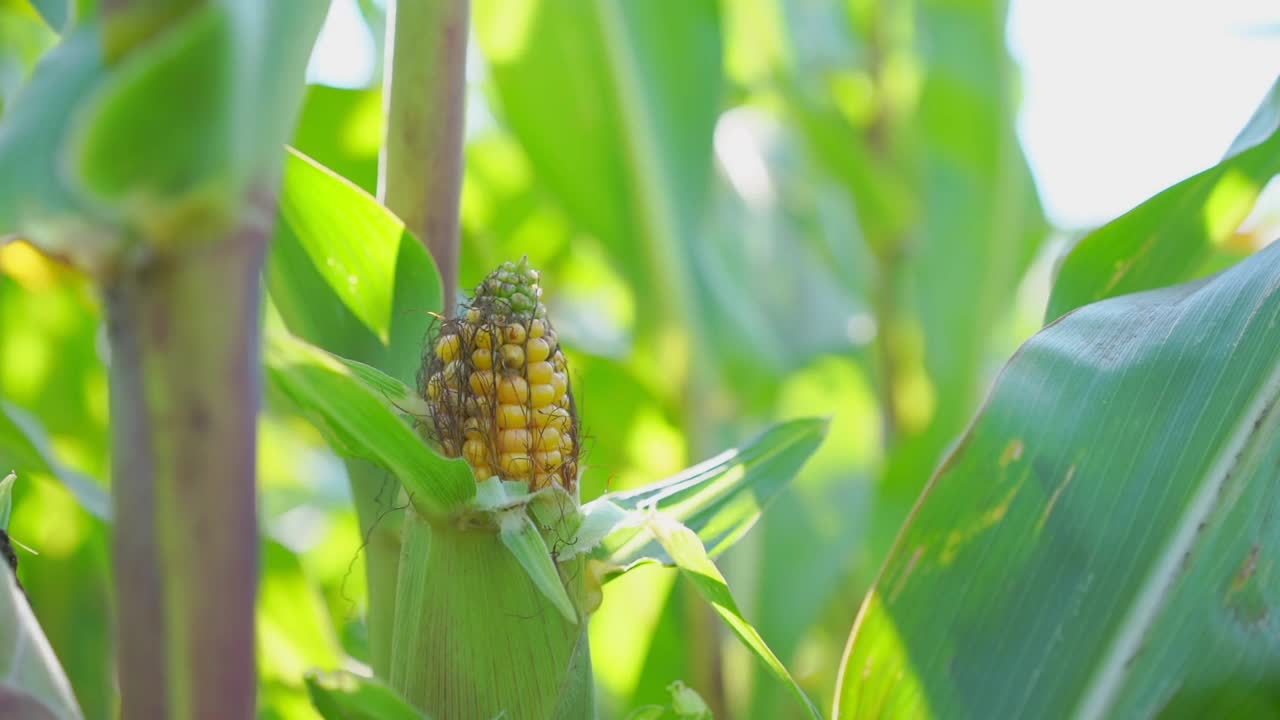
[1100, 542]
[350, 238]
[1167, 239]
[347, 696]
[684, 548]
[720, 499]
[32, 684]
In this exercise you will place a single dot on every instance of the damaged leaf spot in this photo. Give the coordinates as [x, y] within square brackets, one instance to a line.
[1012, 453]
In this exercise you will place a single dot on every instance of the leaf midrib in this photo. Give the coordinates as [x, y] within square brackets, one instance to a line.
[1107, 681]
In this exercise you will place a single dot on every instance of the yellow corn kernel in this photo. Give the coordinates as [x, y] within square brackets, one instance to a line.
[540, 480]
[549, 439]
[514, 465]
[513, 389]
[557, 361]
[513, 356]
[483, 338]
[482, 382]
[560, 382]
[566, 444]
[514, 334]
[475, 452]
[512, 416]
[540, 372]
[448, 348]
[547, 461]
[435, 386]
[482, 359]
[542, 395]
[537, 328]
[556, 417]
[473, 430]
[473, 316]
[537, 350]
[515, 441]
[453, 375]
[483, 472]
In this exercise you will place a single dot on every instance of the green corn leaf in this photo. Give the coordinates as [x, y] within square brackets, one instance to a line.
[359, 422]
[350, 239]
[347, 696]
[1168, 238]
[524, 541]
[688, 553]
[1100, 543]
[32, 684]
[721, 498]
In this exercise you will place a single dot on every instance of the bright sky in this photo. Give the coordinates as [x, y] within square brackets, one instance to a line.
[1121, 97]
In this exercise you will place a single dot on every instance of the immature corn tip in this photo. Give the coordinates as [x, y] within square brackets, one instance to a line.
[498, 387]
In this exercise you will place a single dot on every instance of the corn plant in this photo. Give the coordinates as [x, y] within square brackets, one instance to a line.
[1095, 540]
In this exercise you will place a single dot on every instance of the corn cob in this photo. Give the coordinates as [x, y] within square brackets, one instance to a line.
[498, 387]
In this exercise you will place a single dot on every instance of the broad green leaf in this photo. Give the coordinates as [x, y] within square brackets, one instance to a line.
[684, 547]
[32, 684]
[347, 696]
[720, 499]
[636, 85]
[25, 449]
[346, 274]
[1168, 238]
[359, 422]
[348, 236]
[529, 549]
[1099, 544]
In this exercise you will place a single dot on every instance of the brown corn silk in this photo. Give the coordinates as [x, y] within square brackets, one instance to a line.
[498, 385]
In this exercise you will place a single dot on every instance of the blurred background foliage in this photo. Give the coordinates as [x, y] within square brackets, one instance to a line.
[745, 212]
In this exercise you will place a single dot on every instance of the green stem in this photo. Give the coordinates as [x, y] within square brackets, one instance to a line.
[185, 390]
[420, 174]
[475, 638]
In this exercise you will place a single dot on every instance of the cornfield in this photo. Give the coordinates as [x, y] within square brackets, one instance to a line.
[628, 359]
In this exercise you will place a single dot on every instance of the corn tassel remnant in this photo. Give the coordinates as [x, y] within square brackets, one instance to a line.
[498, 387]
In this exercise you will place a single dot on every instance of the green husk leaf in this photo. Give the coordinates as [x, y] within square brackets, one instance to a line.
[347, 696]
[524, 541]
[684, 547]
